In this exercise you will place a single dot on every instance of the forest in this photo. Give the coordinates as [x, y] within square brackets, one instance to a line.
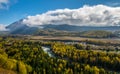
[24, 56]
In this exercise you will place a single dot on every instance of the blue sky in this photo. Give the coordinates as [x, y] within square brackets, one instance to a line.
[14, 10]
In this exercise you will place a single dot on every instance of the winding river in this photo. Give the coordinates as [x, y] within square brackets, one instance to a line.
[47, 50]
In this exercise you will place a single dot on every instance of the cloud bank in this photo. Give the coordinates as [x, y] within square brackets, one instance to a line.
[3, 27]
[98, 15]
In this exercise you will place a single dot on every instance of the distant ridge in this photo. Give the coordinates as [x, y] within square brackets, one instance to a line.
[19, 28]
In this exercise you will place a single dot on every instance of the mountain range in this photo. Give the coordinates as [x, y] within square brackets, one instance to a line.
[19, 28]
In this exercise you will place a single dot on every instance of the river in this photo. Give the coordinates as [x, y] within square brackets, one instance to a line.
[47, 50]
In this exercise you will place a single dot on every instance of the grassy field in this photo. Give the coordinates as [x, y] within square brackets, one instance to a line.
[66, 38]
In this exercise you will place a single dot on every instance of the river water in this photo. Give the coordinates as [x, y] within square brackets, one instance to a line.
[47, 50]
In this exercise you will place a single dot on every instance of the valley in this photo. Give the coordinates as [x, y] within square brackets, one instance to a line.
[59, 54]
[59, 36]
[75, 55]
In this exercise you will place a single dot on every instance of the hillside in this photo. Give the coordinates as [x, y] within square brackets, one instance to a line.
[98, 34]
[19, 27]
[91, 34]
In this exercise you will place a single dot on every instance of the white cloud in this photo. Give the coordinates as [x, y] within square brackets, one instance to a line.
[4, 4]
[99, 15]
[2, 27]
